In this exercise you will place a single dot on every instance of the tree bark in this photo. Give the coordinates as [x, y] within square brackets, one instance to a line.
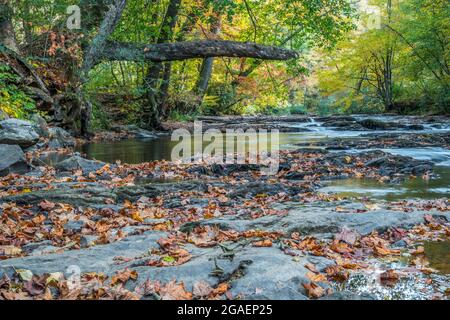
[7, 34]
[207, 66]
[192, 50]
[151, 114]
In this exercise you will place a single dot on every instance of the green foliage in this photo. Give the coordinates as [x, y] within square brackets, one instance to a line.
[13, 100]
[417, 32]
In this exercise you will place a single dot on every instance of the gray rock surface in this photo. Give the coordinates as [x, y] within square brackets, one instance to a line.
[12, 160]
[18, 132]
[79, 163]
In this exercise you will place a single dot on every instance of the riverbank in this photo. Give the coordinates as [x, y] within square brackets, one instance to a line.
[163, 230]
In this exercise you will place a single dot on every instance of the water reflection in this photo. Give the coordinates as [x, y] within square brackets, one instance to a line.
[416, 188]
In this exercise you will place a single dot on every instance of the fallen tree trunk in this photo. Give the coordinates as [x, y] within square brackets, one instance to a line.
[192, 49]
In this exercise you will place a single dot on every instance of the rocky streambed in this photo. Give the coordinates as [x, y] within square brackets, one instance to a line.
[76, 228]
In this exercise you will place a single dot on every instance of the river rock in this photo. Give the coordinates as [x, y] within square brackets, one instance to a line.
[373, 124]
[41, 125]
[12, 160]
[79, 163]
[19, 132]
[74, 226]
[60, 138]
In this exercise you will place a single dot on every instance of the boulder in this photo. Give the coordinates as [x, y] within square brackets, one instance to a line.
[41, 125]
[79, 163]
[12, 160]
[19, 132]
[60, 138]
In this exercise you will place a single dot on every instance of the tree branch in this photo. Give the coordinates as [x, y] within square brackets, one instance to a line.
[191, 50]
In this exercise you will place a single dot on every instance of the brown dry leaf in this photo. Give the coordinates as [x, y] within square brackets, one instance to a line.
[136, 216]
[46, 205]
[311, 267]
[340, 247]
[123, 276]
[221, 289]
[389, 278]
[202, 289]
[175, 291]
[263, 243]
[316, 277]
[419, 250]
[313, 290]
[382, 251]
[348, 236]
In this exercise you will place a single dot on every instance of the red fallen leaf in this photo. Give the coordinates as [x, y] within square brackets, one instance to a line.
[175, 291]
[313, 290]
[263, 243]
[389, 278]
[124, 276]
[46, 205]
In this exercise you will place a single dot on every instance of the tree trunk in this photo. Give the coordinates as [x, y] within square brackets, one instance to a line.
[207, 66]
[7, 34]
[151, 114]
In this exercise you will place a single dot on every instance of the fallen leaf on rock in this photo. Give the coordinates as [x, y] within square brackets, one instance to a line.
[311, 267]
[313, 290]
[389, 278]
[382, 251]
[316, 277]
[175, 291]
[201, 289]
[419, 250]
[221, 289]
[348, 236]
[123, 276]
[263, 243]
[46, 205]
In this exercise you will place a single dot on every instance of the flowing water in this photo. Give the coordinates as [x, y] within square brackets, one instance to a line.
[438, 186]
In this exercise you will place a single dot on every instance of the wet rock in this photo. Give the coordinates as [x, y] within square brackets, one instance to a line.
[12, 160]
[373, 124]
[417, 127]
[400, 244]
[347, 295]
[258, 188]
[41, 125]
[18, 132]
[74, 226]
[88, 241]
[94, 259]
[389, 165]
[60, 138]
[30, 247]
[79, 163]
